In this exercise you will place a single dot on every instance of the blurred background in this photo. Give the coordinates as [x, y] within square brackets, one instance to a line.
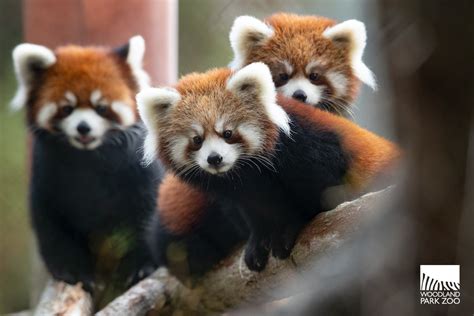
[203, 43]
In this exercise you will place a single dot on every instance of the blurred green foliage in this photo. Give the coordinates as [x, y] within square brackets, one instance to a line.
[15, 233]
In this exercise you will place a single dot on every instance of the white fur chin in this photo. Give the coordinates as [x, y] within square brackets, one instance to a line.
[354, 32]
[136, 52]
[242, 27]
[25, 55]
[260, 73]
[98, 125]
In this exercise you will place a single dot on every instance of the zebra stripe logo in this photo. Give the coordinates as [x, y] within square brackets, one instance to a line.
[439, 278]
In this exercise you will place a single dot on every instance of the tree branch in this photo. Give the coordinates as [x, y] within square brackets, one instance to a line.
[230, 284]
[59, 298]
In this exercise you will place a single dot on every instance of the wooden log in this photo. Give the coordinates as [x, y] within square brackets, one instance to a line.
[232, 285]
[63, 299]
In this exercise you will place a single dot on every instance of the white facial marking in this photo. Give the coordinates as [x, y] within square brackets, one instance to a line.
[197, 128]
[313, 64]
[178, 150]
[45, 114]
[252, 135]
[96, 97]
[288, 67]
[215, 144]
[338, 82]
[98, 126]
[219, 126]
[313, 92]
[124, 111]
[70, 97]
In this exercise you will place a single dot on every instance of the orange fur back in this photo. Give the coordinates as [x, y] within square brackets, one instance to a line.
[371, 155]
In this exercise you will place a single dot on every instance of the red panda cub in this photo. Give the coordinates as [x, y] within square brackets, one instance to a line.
[269, 160]
[90, 195]
[312, 59]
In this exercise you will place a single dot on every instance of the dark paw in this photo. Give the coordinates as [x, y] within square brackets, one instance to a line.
[86, 280]
[140, 274]
[282, 244]
[256, 255]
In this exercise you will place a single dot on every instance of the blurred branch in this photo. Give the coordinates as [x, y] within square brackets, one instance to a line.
[63, 299]
[231, 284]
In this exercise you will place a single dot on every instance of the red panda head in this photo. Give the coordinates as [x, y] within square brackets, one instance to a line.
[212, 121]
[311, 58]
[79, 92]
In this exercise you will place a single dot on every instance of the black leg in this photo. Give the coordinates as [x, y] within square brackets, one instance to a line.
[283, 240]
[65, 254]
[257, 251]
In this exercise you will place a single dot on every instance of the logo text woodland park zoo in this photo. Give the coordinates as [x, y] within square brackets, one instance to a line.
[440, 284]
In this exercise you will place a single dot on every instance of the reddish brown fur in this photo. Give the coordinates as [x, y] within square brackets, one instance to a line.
[203, 98]
[371, 155]
[82, 70]
[299, 40]
[180, 205]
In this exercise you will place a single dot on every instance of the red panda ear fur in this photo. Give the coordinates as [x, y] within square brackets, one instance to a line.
[246, 33]
[352, 35]
[153, 107]
[29, 60]
[254, 85]
[133, 53]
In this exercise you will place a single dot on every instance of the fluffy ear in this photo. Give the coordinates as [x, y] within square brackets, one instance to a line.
[352, 34]
[29, 61]
[153, 105]
[246, 34]
[254, 85]
[133, 53]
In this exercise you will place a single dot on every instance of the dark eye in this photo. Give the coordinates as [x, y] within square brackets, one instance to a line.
[197, 140]
[283, 77]
[314, 76]
[227, 134]
[67, 109]
[101, 109]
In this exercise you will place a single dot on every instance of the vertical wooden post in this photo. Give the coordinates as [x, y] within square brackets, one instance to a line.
[105, 22]
[108, 22]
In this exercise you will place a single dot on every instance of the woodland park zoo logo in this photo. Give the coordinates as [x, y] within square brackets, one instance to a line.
[440, 284]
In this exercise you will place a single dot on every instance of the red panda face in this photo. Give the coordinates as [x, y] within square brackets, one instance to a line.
[79, 92]
[212, 121]
[312, 59]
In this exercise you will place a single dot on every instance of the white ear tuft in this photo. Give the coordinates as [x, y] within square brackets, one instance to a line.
[136, 53]
[246, 33]
[27, 60]
[153, 103]
[255, 81]
[352, 34]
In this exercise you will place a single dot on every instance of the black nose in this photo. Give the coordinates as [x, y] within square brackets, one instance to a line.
[214, 159]
[83, 128]
[299, 95]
